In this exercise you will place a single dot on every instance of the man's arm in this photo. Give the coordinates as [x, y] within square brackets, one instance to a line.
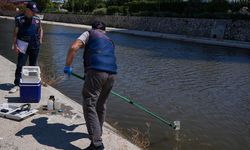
[41, 33]
[75, 46]
[16, 48]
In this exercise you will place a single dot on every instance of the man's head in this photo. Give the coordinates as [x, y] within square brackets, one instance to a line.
[31, 9]
[99, 25]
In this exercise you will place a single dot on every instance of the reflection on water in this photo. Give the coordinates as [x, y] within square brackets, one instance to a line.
[205, 87]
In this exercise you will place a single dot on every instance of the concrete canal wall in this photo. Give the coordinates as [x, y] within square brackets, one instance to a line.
[208, 28]
[230, 33]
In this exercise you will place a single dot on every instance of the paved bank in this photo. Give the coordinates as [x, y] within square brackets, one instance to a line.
[209, 41]
[46, 130]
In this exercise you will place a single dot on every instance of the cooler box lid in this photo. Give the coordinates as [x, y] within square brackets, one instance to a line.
[31, 74]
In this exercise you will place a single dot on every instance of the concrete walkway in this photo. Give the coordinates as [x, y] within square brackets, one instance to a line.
[46, 130]
[201, 40]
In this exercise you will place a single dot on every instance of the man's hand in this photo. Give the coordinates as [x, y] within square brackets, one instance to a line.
[16, 48]
[67, 70]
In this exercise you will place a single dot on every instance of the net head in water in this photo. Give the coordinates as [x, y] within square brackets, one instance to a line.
[177, 125]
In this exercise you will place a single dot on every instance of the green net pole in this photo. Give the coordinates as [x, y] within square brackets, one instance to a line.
[137, 105]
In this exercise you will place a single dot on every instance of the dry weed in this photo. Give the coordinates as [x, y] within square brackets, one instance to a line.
[49, 78]
[141, 139]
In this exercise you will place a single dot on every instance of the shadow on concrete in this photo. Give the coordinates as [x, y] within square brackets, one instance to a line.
[6, 86]
[56, 135]
[13, 99]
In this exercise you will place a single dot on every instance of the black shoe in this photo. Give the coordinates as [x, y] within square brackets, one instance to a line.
[93, 147]
[101, 147]
[90, 147]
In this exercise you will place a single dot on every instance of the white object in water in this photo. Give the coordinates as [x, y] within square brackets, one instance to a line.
[177, 125]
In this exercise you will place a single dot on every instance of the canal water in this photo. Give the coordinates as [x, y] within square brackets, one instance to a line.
[204, 87]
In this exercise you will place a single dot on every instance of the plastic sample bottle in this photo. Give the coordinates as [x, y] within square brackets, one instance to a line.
[50, 104]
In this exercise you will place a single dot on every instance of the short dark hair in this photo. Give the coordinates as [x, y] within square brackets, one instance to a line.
[99, 25]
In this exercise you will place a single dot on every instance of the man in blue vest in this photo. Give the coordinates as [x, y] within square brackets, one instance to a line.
[27, 38]
[100, 69]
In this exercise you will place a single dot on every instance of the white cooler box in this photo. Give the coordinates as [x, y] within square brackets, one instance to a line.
[30, 84]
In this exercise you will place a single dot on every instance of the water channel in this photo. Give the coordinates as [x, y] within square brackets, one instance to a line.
[205, 87]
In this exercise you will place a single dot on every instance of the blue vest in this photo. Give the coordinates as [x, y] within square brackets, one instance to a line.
[99, 53]
[28, 30]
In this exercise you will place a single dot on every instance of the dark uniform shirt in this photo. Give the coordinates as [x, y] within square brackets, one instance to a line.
[28, 30]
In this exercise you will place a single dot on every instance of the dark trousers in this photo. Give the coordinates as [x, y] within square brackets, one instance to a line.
[95, 92]
[21, 61]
